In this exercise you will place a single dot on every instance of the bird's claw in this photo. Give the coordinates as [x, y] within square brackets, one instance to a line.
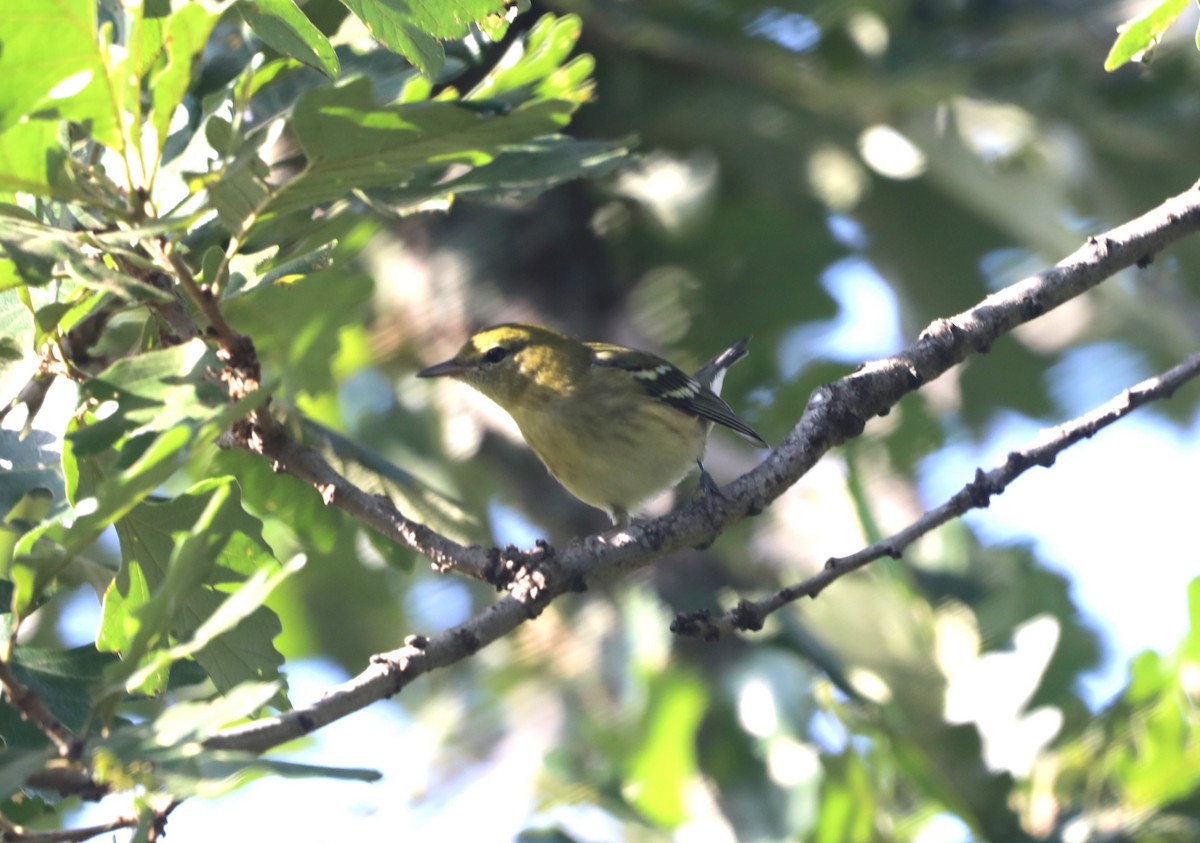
[708, 486]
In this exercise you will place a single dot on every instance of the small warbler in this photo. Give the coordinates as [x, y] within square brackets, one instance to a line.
[614, 425]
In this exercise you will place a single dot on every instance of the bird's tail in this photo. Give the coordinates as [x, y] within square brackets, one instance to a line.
[712, 373]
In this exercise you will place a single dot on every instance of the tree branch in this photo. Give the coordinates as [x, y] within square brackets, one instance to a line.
[977, 494]
[835, 413]
[31, 707]
[169, 261]
[19, 834]
[374, 511]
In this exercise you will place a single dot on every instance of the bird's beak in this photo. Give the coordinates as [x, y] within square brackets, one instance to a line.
[449, 368]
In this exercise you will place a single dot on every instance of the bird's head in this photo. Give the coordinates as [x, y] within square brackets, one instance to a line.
[506, 361]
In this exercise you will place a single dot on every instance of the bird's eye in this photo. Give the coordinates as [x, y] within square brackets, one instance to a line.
[495, 354]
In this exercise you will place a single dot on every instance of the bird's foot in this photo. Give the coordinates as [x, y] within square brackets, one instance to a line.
[708, 487]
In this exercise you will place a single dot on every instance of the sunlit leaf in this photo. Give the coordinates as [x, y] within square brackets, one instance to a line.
[351, 143]
[846, 813]
[33, 160]
[152, 392]
[414, 29]
[297, 322]
[70, 81]
[540, 66]
[1141, 34]
[182, 559]
[185, 35]
[235, 608]
[282, 25]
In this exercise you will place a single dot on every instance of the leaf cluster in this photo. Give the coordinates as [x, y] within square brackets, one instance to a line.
[175, 179]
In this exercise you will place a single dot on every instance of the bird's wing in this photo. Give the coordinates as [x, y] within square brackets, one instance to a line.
[668, 383]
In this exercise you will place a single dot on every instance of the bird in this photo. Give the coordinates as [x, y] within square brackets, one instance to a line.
[615, 426]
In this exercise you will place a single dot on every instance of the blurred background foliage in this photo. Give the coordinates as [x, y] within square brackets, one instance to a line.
[829, 178]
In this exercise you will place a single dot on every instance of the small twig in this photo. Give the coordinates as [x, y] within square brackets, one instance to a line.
[159, 829]
[219, 277]
[749, 615]
[169, 261]
[11, 832]
[535, 580]
[33, 394]
[375, 511]
[67, 779]
[20, 834]
[26, 701]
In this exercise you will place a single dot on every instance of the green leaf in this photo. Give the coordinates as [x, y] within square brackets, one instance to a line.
[261, 268]
[350, 143]
[181, 561]
[54, 68]
[94, 274]
[847, 798]
[286, 29]
[1139, 35]
[187, 31]
[32, 468]
[27, 809]
[1163, 762]
[296, 324]
[28, 511]
[413, 29]
[62, 679]
[242, 192]
[167, 576]
[18, 362]
[168, 753]
[521, 172]
[32, 248]
[664, 765]
[197, 721]
[17, 766]
[155, 391]
[47, 318]
[538, 66]
[33, 572]
[33, 160]
[233, 610]
[9, 278]
[1189, 648]
[36, 250]
[43, 552]
[209, 773]
[33, 506]
[283, 498]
